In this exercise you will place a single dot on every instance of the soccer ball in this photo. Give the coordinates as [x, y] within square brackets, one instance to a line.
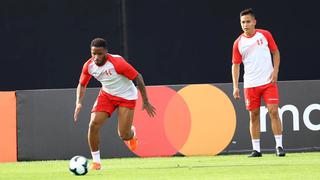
[78, 165]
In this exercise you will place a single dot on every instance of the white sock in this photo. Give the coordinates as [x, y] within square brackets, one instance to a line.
[256, 144]
[278, 139]
[96, 156]
[134, 130]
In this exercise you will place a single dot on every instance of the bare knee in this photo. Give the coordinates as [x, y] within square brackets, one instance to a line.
[94, 125]
[254, 116]
[97, 119]
[273, 112]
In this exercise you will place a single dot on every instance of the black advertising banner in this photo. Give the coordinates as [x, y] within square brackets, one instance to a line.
[299, 111]
[195, 119]
[46, 129]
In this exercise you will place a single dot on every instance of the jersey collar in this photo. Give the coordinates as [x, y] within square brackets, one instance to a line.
[255, 31]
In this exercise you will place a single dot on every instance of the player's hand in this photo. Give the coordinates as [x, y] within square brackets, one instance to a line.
[76, 112]
[236, 93]
[274, 77]
[149, 108]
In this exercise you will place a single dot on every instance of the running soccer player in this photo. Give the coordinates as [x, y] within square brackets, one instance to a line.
[118, 91]
[253, 48]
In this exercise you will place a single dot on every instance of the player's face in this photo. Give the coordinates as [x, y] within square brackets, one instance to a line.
[248, 24]
[99, 55]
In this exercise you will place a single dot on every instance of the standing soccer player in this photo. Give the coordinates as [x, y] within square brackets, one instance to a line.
[253, 48]
[118, 91]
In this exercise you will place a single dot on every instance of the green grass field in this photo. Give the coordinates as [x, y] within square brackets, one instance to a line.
[293, 166]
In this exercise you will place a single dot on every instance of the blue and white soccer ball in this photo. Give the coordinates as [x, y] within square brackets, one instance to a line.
[78, 165]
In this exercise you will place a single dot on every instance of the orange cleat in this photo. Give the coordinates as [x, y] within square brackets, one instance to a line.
[132, 143]
[95, 166]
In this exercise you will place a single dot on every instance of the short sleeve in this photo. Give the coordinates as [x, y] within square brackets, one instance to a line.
[124, 68]
[271, 42]
[85, 76]
[236, 56]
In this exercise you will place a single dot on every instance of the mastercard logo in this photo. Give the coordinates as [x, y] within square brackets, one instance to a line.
[194, 120]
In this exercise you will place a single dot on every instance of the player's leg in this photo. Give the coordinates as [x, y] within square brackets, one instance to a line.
[125, 128]
[253, 101]
[276, 128]
[125, 120]
[96, 122]
[102, 109]
[271, 98]
[255, 132]
[275, 119]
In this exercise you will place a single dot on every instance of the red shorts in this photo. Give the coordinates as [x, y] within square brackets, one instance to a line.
[108, 103]
[253, 95]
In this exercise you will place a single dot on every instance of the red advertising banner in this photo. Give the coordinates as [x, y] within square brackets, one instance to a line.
[8, 127]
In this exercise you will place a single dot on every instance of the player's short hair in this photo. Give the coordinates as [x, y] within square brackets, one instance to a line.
[99, 42]
[248, 11]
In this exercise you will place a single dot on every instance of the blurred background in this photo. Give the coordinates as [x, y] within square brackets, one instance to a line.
[45, 43]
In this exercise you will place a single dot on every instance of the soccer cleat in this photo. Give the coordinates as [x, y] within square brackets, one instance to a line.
[95, 166]
[255, 153]
[132, 143]
[280, 152]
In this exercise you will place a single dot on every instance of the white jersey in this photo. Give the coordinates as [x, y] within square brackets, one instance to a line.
[115, 76]
[254, 53]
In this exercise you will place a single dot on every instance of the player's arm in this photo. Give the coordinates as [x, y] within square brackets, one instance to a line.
[235, 80]
[276, 65]
[81, 90]
[124, 68]
[146, 105]
[236, 61]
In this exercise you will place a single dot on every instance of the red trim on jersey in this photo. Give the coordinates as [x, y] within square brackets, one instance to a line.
[271, 43]
[251, 35]
[123, 67]
[85, 76]
[236, 56]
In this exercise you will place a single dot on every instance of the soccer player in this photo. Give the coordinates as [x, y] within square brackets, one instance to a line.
[253, 48]
[118, 91]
